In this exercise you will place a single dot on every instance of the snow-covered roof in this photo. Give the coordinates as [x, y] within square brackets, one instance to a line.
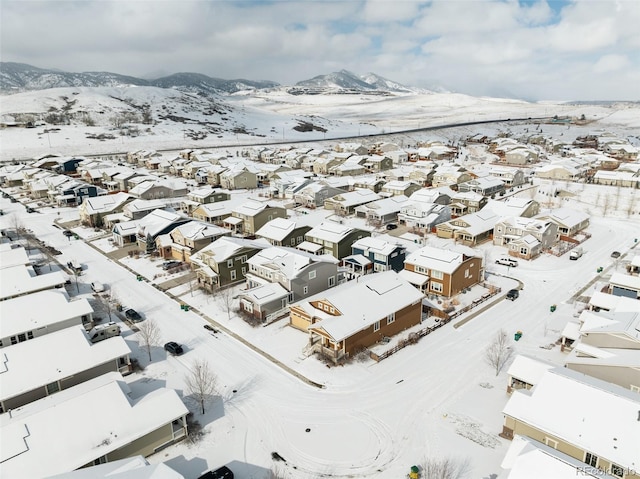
[436, 259]
[18, 280]
[370, 244]
[529, 369]
[265, 293]
[591, 414]
[613, 303]
[277, 229]
[136, 467]
[567, 217]
[329, 231]
[227, 246]
[196, 230]
[24, 313]
[289, 261]
[512, 206]
[379, 295]
[252, 207]
[626, 281]
[384, 206]
[105, 203]
[34, 454]
[356, 197]
[10, 257]
[54, 356]
[627, 323]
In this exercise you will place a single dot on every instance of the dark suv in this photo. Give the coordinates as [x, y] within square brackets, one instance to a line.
[513, 294]
[173, 348]
[133, 315]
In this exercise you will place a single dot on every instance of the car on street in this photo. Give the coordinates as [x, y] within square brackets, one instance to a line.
[173, 348]
[132, 315]
[97, 287]
[506, 261]
[170, 264]
[513, 294]
[67, 233]
[221, 473]
[615, 254]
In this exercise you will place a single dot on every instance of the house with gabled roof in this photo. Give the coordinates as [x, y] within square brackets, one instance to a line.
[145, 424]
[333, 238]
[299, 274]
[466, 202]
[443, 272]
[315, 194]
[509, 175]
[591, 420]
[400, 188]
[19, 279]
[485, 185]
[202, 196]
[421, 215]
[92, 211]
[239, 177]
[214, 213]
[447, 175]
[512, 232]
[621, 284]
[283, 232]
[378, 162]
[223, 262]
[469, 229]
[252, 215]
[346, 203]
[340, 327]
[154, 189]
[191, 237]
[514, 206]
[570, 222]
[383, 211]
[526, 371]
[41, 367]
[145, 230]
[371, 255]
[23, 318]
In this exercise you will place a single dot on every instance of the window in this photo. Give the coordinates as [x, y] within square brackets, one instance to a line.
[436, 274]
[22, 337]
[376, 326]
[305, 290]
[233, 274]
[293, 241]
[551, 442]
[332, 281]
[419, 269]
[616, 470]
[326, 307]
[437, 287]
[312, 274]
[230, 263]
[14, 340]
[299, 239]
[524, 251]
[632, 387]
[53, 388]
[29, 334]
[243, 258]
[244, 270]
[466, 273]
[591, 459]
[391, 318]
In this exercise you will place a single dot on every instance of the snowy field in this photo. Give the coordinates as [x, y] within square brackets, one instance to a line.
[433, 400]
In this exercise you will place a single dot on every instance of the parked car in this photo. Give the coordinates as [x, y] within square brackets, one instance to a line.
[513, 294]
[67, 233]
[392, 226]
[221, 473]
[173, 348]
[575, 253]
[170, 264]
[97, 287]
[615, 254]
[507, 262]
[132, 315]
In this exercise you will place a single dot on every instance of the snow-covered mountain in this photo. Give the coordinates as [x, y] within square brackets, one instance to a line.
[345, 80]
[18, 77]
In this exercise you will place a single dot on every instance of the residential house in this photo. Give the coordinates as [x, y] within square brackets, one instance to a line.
[223, 262]
[214, 213]
[145, 231]
[19, 279]
[559, 170]
[467, 202]
[321, 165]
[298, 274]
[154, 189]
[621, 284]
[382, 211]
[85, 434]
[92, 211]
[378, 163]
[471, 229]
[585, 418]
[423, 216]
[238, 178]
[315, 194]
[191, 237]
[570, 222]
[448, 175]
[345, 203]
[252, 215]
[74, 194]
[626, 179]
[340, 327]
[42, 367]
[138, 209]
[513, 206]
[23, 318]
[485, 186]
[443, 272]
[283, 232]
[335, 239]
[525, 372]
[400, 188]
[372, 255]
[510, 176]
[512, 232]
[202, 196]
[374, 183]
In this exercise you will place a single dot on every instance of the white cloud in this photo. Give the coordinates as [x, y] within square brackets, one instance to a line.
[535, 50]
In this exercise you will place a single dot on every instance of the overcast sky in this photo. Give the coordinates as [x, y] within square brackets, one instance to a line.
[536, 50]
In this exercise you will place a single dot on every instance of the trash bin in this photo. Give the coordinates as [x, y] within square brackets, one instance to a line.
[415, 472]
[186, 307]
[552, 308]
[517, 336]
[139, 278]
[599, 270]
[182, 306]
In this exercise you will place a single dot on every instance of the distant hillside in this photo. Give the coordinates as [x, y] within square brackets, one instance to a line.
[19, 77]
[346, 81]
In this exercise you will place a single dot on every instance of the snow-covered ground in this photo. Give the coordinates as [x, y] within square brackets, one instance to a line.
[432, 400]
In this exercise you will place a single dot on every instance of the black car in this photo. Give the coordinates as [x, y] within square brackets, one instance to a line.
[175, 349]
[67, 233]
[221, 473]
[615, 254]
[170, 264]
[513, 294]
[132, 315]
[392, 226]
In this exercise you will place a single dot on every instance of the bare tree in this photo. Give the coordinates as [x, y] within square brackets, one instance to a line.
[606, 204]
[631, 205]
[447, 468]
[499, 351]
[149, 334]
[226, 300]
[201, 382]
[16, 224]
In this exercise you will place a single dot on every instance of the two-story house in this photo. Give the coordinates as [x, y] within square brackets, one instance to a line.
[346, 203]
[252, 215]
[332, 238]
[283, 232]
[525, 237]
[443, 272]
[371, 255]
[471, 229]
[382, 211]
[191, 237]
